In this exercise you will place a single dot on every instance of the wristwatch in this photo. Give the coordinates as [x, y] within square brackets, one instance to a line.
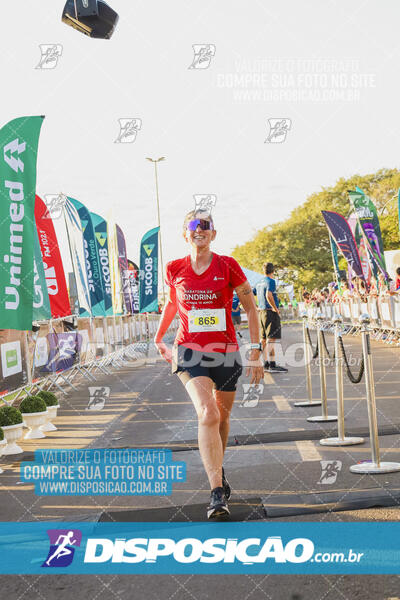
[256, 346]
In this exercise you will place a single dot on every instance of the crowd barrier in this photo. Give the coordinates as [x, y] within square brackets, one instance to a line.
[317, 320]
[59, 350]
[384, 313]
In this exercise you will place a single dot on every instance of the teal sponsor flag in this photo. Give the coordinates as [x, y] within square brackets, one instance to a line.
[75, 240]
[368, 220]
[335, 259]
[92, 260]
[148, 278]
[18, 154]
[101, 237]
[41, 302]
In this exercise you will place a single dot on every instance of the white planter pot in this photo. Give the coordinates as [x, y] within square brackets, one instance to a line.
[51, 415]
[34, 421]
[3, 444]
[12, 433]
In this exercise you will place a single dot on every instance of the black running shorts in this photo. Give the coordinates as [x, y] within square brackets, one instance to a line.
[270, 323]
[223, 368]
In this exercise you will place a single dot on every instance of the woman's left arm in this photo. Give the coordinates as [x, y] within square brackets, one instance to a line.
[246, 298]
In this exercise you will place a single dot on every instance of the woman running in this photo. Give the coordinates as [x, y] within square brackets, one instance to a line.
[205, 353]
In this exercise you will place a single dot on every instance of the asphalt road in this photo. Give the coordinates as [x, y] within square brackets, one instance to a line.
[273, 462]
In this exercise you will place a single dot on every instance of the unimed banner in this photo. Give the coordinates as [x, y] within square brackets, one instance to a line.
[148, 286]
[18, 153]
[92, 260]
[52, 263]
[343, 236]
[100, 232]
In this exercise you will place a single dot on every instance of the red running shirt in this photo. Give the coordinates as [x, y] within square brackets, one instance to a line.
[213, 289]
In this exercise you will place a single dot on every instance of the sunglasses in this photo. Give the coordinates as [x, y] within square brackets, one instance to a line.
[204, 225]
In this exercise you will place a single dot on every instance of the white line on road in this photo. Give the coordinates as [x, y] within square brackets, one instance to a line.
[307, 450]
[281, 403]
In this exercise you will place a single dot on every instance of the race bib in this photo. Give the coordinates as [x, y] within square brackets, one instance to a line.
[207, 320]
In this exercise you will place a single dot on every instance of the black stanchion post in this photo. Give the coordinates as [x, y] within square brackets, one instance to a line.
[376, 466]
[307, 361]
[341, 439]
[322, 374]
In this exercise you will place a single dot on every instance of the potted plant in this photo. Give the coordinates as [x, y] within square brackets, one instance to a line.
[52, 407]
[34, 411]
[3, 444]
[11, 423]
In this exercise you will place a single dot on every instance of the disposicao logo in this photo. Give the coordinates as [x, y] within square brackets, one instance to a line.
[190, 550]
[62, 542]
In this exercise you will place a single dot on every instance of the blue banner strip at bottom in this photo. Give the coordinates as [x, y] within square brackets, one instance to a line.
[221, 548]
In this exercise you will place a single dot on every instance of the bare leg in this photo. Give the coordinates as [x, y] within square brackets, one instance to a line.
[224, 402]
[264, 352]
[271, 349]
[200, 390]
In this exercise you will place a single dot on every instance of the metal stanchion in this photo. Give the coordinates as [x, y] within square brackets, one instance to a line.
[307, 359]
[322, 376]
[341, 440]
[376, 466]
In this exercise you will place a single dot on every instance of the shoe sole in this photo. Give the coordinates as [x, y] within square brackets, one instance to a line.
[218, 512]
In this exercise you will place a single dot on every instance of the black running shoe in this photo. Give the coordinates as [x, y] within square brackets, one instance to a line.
[266, 366]
[225, 485]
[278, 369]
[218, 506]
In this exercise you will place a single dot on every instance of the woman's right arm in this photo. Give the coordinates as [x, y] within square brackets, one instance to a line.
[167, 316]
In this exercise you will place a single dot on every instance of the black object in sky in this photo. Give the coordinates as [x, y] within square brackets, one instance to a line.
[91, 17]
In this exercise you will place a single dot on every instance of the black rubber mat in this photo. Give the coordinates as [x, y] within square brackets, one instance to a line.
[273, 437]
[250, 509]
[301, 504]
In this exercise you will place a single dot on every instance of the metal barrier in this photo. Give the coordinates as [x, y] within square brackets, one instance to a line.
[376, 466]
[59, 350]
[349, 321]
[384, 314]
[341, 439]
[307, 359]
[324, 417]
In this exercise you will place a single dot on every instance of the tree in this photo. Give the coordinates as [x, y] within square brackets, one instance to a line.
[300, 243]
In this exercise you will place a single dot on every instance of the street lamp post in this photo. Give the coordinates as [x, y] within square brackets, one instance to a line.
[155, 161]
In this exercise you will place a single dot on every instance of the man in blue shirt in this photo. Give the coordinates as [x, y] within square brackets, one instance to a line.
[236, 317]
[270, 319]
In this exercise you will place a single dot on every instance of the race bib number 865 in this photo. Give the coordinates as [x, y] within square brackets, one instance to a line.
[207, 320]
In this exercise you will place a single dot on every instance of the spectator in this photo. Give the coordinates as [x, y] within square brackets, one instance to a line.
[398, 279]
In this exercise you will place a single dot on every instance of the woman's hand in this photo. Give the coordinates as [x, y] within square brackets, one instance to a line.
[255, 367]
[164, 350]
